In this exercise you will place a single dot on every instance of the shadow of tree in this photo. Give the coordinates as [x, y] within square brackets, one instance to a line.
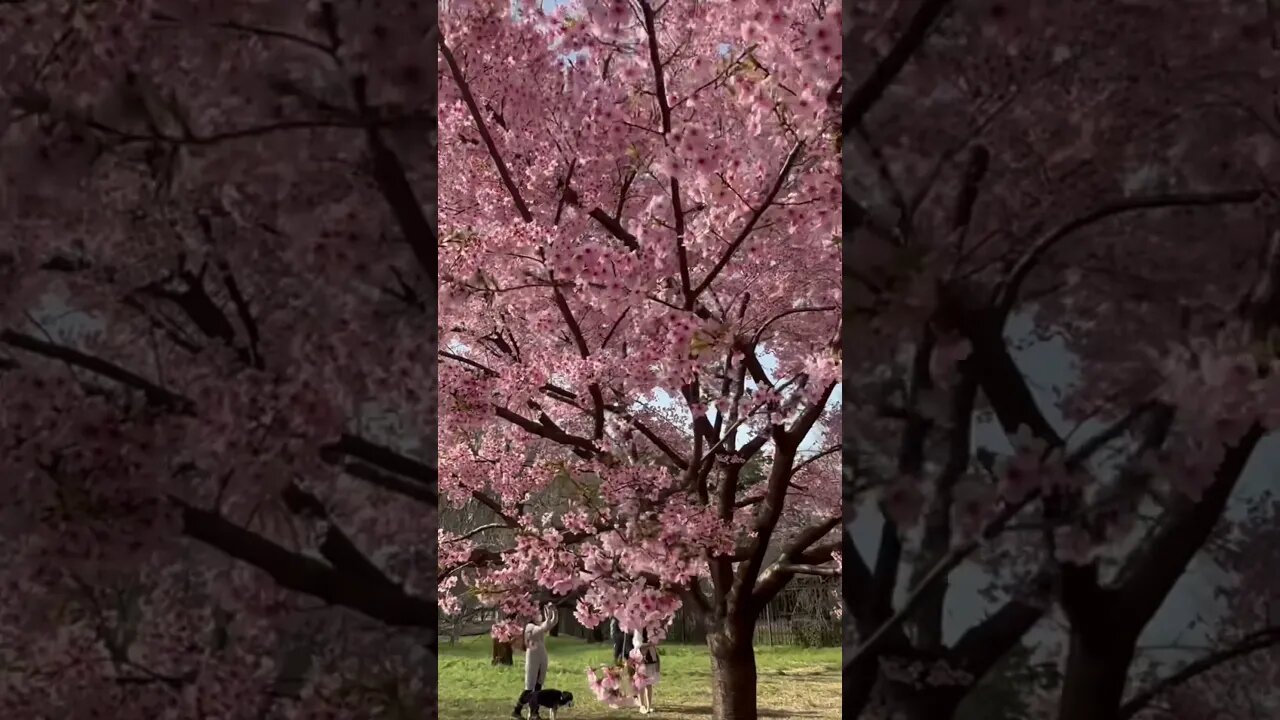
[705, 710]
[825, 678]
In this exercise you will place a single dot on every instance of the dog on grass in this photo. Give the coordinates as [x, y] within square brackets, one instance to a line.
[553, 701]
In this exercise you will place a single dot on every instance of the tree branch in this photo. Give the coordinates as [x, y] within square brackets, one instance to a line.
[655, 59]
[155, 394]
[938, 531]
[806, 569]
[940, 570]
[817, 456]
[408, 488]
[382, 457]
[493, 504]
[300, 573]
[335, 546]
[469, 100]
[393, 184]
[756, 213]
[1007, 292]
[1251, 643]
[983, 645]
[1163, 559]
[615, 228]
[767, 517]
[575, 330]
[866, 95]
[581, 446]
[483, 528]
[798, 554]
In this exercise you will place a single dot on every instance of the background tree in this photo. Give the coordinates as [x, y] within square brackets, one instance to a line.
[1060, 290]
[214, 432]
[639, 241]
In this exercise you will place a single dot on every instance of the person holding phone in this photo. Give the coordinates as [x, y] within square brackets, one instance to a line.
[536, 661]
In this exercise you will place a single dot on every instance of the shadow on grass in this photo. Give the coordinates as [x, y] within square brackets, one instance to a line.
[682, 710]
[772, 673]
[705, 710]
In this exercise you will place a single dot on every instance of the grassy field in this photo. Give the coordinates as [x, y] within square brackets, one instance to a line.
[794, 683]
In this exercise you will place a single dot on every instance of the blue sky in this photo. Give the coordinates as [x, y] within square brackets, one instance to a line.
[814, 442]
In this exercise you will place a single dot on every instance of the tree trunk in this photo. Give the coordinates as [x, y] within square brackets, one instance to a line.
[502, 653]
[733, 676]
[859, 681]
[597, 634]
[1097, 669]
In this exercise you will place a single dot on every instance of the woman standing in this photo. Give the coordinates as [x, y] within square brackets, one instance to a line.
[621, 642]
[536, 661]
[649, 672]
[621, 652]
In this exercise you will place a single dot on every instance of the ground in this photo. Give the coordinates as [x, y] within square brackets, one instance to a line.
[794, 682]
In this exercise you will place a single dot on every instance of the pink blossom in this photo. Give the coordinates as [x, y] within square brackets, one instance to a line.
[904, 501]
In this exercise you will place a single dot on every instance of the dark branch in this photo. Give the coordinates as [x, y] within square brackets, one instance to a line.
[335, 547]
[756, 214]
[155, 394]
[382, 457]
[866, 95]
[469, 100]
[1251, 643]
[393, 185]
[1010, 287]
[306, 575]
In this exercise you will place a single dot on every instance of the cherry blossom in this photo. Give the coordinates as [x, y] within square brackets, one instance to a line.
[215, 255]
[1060, 363]
[639, 316]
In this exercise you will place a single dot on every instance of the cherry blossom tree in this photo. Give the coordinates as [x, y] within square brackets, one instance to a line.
[639, 239]
[1091, 182]
[1239, 667]
[216, 260]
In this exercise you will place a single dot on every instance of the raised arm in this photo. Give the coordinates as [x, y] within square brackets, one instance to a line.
[550, 622]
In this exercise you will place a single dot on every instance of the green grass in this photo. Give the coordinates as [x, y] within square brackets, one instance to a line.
[793, 682]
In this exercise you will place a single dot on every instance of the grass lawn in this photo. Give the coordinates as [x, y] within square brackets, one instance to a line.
[793, 682]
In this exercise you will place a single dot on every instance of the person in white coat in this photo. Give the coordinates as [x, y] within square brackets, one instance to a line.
[652, 664]
[536, 660]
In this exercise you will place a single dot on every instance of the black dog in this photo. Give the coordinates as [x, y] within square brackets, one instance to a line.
[553, 700]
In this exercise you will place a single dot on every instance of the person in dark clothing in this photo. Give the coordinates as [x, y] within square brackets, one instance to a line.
[621, 642]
